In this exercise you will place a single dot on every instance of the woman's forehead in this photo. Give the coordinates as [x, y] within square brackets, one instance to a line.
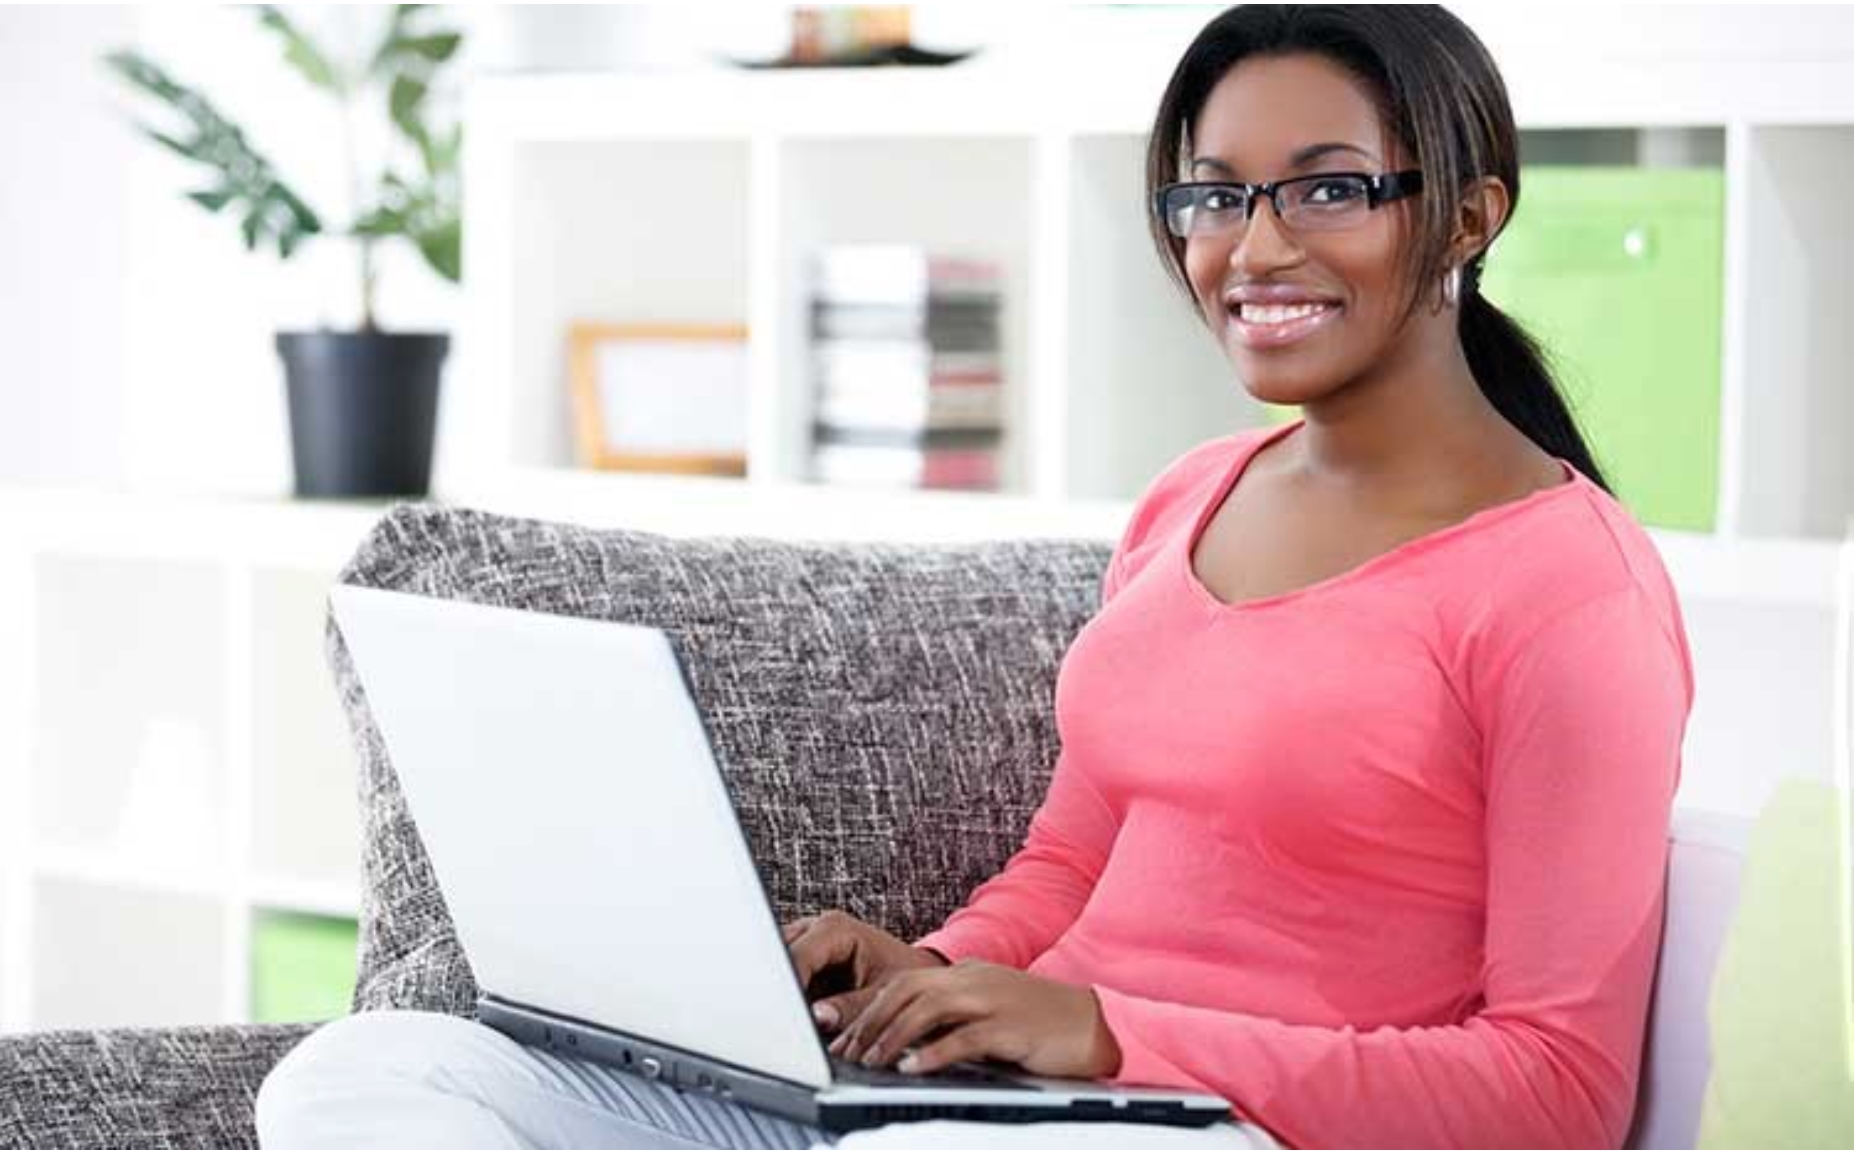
[1269, 114]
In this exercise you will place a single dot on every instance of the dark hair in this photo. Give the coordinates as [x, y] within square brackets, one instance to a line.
[1440, 95]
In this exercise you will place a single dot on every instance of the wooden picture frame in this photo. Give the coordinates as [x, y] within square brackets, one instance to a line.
[659, 398]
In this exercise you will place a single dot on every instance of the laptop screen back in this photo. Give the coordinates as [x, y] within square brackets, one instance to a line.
[563, 786]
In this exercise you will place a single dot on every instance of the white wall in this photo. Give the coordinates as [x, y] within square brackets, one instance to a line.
[63, 163]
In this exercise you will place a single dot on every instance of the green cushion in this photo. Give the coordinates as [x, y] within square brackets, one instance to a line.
[1779, 1015]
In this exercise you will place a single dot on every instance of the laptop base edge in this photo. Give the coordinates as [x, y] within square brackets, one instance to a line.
[687, 1072]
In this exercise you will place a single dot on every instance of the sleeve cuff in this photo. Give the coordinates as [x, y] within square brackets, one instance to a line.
[954, 945]
[1140, 1065]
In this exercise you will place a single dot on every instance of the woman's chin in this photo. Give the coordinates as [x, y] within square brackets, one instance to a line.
[1277, 393]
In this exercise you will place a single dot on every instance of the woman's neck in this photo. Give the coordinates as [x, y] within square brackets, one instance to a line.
[1418, 421]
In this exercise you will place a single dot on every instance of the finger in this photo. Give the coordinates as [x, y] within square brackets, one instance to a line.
[886, 1001]
[834, 1012]
[791, 930]
[969, 1043]
[933, 1009]
[817, 947]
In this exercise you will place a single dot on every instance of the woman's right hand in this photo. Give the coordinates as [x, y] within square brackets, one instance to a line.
[863, 956]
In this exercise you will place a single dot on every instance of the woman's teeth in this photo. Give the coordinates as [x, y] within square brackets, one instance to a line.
[1275, 314]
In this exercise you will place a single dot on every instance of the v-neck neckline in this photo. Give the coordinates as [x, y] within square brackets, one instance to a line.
[1240, 464]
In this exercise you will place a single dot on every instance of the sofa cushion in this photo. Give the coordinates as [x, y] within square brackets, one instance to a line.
[883, 714]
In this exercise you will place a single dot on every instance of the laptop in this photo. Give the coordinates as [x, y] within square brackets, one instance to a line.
[568, 797]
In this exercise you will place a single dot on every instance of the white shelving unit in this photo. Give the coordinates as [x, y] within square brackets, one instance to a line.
[171, 759]
[175, 761]
[698, 197]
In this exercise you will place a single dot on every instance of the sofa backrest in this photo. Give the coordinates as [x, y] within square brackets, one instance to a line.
[1706, 856]
[883, 714]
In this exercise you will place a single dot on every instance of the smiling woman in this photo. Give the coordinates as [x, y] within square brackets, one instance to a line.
[1368, 754]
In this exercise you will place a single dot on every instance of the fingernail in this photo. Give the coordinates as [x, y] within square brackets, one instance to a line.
[825, 1014]
[908, 1063]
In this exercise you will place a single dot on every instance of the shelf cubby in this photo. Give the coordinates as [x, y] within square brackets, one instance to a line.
[128, 752]
[605, 220]
[305, 823]
[110, 955]
[1791, 360]
[896, 190]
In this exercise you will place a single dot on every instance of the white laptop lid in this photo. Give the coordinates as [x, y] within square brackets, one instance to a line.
[563, 786]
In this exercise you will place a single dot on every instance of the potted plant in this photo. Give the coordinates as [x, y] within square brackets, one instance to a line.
[363, 404]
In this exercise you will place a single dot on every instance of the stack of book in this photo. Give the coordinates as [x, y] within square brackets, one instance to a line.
[906, 368]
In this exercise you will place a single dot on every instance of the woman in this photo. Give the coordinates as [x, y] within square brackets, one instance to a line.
[1369, 753]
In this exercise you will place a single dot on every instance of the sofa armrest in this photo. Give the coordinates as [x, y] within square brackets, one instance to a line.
[150, 1088]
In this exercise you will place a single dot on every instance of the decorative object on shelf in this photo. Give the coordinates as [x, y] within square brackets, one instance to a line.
[906, 367]
[1617, 271]
[854, 36]
[362, 404]
[302, 966]
[660, 398]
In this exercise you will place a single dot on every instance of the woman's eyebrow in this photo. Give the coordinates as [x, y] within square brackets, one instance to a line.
[1301, 156]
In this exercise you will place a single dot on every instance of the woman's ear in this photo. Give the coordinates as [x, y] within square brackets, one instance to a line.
[1479, 218]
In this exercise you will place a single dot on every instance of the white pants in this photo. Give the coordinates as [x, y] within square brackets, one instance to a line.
[421, 1080]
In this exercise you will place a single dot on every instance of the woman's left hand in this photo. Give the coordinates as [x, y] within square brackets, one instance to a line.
[984, 1011]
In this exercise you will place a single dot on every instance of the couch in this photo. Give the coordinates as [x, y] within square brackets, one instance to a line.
[883, 714]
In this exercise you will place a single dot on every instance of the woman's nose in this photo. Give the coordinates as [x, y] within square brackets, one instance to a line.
[1265, 242]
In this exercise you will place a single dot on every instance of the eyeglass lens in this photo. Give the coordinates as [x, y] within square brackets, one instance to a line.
[1314, 202]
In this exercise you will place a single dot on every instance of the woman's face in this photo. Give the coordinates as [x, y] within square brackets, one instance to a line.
[1261, 123]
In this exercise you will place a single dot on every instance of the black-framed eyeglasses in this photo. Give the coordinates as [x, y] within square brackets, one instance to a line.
[1320, 203]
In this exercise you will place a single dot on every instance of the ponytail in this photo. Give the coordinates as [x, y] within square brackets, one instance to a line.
[1512, 371]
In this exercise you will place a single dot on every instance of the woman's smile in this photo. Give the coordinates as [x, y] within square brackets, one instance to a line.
[1265, 326]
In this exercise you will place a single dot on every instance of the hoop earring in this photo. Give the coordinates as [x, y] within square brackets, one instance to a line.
[1453, 286]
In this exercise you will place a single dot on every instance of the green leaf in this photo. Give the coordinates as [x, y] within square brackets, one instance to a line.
[240, 174]
[441, 155]
[437, 47]
[397, 47]
[442, 248]
[211, 201]
[142, 73]
[404, 100]
[302, 53]
[190, 150]
[380, 222]
[288, 240]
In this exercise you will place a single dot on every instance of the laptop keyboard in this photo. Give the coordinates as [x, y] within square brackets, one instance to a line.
[959, 1074]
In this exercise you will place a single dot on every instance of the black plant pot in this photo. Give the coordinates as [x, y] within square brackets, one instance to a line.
[363, 410]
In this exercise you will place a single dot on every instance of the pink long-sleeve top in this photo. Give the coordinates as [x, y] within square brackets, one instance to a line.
[1380, 860]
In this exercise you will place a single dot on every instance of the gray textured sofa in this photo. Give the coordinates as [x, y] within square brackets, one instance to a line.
[883, 714]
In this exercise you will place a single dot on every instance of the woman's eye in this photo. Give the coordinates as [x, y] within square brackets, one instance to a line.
[1333, 191]
[1221, 200]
